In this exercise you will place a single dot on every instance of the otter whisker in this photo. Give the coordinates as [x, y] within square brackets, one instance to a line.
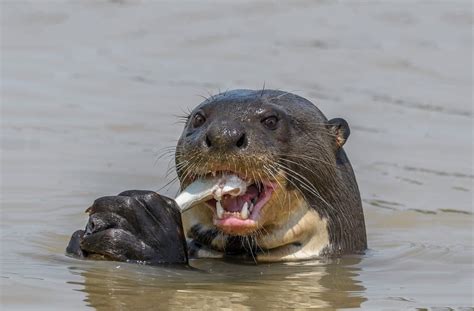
[269, 174]
[182, 164]
[310, 158]
[188, 171]
[169, 183]
[305, 183]
[203, 97]
[313, 190]
[304, 162]
[291, 182]
[165, 154]
[286, 195]
[258, 234]
[250, 248]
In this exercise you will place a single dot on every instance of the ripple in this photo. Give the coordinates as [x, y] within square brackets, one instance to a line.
[383, 204]
[407, 103]
[426, 170]
[451, 210]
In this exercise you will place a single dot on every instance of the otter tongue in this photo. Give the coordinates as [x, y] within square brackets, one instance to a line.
[235, 204]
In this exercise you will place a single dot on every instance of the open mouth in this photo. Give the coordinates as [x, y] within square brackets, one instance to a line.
[235, 213]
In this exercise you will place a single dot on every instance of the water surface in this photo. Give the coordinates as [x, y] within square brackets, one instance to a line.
[90, 92]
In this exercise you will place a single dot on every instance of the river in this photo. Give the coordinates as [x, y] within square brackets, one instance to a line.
[90, 94]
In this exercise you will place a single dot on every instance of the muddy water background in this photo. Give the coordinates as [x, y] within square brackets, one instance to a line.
[89, 94]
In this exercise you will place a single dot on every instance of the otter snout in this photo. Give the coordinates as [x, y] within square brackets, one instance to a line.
[225, 136]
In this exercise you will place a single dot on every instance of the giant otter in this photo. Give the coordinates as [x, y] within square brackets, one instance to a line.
[301, 198]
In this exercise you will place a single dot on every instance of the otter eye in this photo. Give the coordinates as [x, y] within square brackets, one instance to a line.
[270, 123]
[198, 120]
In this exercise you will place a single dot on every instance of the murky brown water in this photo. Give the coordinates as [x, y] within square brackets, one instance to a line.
[89, 95]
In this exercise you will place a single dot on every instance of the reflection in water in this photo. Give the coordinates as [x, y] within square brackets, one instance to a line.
[223, 284]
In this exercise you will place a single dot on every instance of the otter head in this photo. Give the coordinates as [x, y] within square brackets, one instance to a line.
[278, 142]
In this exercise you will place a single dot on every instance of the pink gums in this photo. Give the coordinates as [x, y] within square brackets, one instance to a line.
[235, 205]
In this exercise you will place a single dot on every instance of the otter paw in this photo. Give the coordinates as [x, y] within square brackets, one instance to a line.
[134, 226]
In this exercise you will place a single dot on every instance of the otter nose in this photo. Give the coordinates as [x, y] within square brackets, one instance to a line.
[225, 137]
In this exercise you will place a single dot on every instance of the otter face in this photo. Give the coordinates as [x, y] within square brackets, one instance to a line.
[244, 138]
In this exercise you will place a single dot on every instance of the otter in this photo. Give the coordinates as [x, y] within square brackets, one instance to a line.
[302, 200]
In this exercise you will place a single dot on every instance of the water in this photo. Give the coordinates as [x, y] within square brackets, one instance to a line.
[90, 94]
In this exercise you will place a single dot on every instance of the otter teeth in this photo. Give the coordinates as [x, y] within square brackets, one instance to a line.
[219, 209]
[251, 207]
[244, 213]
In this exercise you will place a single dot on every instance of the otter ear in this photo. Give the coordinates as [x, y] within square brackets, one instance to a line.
[340, 129]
